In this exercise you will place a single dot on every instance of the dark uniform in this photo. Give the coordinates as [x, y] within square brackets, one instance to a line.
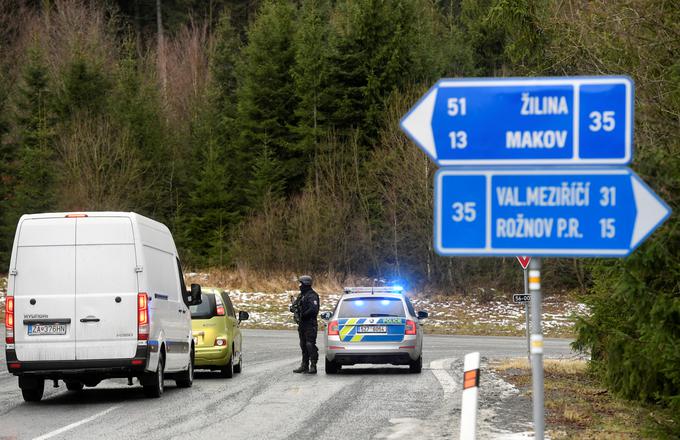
[307, 312]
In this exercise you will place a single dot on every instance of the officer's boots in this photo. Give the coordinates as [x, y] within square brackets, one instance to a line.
[312, 367]
[303, 368]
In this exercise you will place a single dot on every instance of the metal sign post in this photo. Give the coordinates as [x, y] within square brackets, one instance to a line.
[536, 347]
[526, 312]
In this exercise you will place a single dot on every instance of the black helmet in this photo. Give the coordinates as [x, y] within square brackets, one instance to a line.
[305, 280]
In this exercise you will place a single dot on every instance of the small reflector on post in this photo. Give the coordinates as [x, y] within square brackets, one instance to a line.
[75, 215]
[471, 379]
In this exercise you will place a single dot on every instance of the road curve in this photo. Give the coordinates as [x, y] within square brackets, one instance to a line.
[268, 401]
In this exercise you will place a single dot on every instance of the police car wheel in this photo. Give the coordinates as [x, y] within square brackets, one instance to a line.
[332, 367]
[416, 366]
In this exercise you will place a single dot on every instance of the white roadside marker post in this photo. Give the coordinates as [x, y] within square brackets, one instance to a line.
[536, 347]
[468, 412]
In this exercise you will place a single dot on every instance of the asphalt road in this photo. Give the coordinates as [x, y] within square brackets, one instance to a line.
[268, 401]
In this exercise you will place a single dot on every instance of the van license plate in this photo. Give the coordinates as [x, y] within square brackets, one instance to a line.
[372, 329]
[46, 329]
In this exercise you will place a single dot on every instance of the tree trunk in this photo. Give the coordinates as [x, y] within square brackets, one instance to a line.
[161, 49]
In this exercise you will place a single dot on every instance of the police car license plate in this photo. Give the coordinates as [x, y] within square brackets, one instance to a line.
[46, 329]
[372, 329]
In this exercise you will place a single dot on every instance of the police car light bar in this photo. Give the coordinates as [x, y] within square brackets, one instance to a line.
[382, 289]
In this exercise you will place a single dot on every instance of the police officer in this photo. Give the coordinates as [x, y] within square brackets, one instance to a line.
[307, 310]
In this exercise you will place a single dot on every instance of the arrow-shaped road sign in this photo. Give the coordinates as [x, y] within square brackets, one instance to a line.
[556, 212]
[524, 121]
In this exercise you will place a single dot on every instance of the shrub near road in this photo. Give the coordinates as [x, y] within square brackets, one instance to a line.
[578, 407]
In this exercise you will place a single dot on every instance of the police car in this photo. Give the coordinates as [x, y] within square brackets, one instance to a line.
[374, 325]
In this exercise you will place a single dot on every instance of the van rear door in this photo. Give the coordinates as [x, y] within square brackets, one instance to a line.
[106, 288]
[44, 289]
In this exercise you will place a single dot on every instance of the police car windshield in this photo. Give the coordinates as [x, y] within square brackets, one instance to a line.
[206, 309]
[371, 306]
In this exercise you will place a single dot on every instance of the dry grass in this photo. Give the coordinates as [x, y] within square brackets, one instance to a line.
[577, 407]
[271, 282]
[449, 314]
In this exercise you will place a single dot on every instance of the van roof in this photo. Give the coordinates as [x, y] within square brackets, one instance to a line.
[131, 215]
[148, 228]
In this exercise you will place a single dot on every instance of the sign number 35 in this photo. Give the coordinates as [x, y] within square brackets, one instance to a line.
[602, 121]
[464, 211]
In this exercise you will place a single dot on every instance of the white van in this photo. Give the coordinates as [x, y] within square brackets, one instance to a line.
[93, 296]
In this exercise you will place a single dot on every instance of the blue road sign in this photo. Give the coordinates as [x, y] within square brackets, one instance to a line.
[576, 212]
[525, 121]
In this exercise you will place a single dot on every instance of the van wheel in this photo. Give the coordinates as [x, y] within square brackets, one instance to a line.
[32, 388]
[228, 370]
[416, 366]
[74, 385]
[186, 378]
[239, 367]
[332, 367]
[153, 382]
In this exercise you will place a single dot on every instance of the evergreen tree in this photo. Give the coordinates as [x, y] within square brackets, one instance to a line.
[36, 173]
[223, 71]
[267, 183]
[377, 47]
[135, 107]
[486, 37]
[85, 88]
[7, 175]
[209, 217]
[266, 99]
[311, 74]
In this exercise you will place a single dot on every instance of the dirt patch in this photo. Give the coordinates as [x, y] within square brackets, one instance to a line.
[578, 407]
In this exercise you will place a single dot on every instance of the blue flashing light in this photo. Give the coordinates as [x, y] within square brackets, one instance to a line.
[359, 302]
[398, 288]
[385, 302]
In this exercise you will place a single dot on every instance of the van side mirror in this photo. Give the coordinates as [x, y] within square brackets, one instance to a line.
[194, 297]
[326, 315]
[422, 314]
[243, 316]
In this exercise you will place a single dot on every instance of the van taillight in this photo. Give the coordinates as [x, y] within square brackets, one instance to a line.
[410, 327]
[142, 317]
[333, 328]
[76, 215]
[219, 305]
[9, 320]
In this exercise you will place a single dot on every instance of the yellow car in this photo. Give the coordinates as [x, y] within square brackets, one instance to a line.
[217, 336]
